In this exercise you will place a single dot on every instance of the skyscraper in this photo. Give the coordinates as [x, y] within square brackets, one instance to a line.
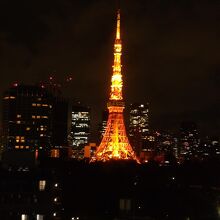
[189, 139]
[59, 121]
[80, 128]
[33, 118]
[115, 144]
[138, 125]
[139, 119]
[26, 118]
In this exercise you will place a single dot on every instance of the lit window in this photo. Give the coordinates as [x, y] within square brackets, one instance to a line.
[33, 116]
[27, 147]
[18, 116]
[45, 105]
[34, 104]
[28, 128]
[38, 116]
[9, 97]
[17, 140]
[16, 147]
[40, 217]
[21, 147]
[42, 185]
[45, 116]
[39, 99]
[38, 105]
[18, 122]
[24, 217]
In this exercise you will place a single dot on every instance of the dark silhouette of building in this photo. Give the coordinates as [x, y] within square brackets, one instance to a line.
[29, 195]
[33, 118]
[27, 118]
[59, 122]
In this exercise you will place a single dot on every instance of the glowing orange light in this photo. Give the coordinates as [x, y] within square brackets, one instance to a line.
[115, 144]
[116, 87]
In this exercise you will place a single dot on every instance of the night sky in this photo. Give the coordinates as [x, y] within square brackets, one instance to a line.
[170, 53]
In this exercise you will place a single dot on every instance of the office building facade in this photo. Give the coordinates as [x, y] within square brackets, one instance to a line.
[33, 118]
[26, 118]
[138, 125]
[80, 128]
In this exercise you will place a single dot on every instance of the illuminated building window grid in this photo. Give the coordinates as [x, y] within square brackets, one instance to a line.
[23, 121]
[139, 119]
[80, 128]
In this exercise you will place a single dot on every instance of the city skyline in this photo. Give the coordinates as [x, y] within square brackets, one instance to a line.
[170, 56]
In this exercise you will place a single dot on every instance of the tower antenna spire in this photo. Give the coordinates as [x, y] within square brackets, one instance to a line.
[118, 4]
[118, 31]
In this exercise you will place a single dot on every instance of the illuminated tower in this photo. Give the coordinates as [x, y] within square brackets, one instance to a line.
[115, 144]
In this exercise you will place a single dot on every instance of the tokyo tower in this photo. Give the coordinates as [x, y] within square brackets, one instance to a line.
[115, 144]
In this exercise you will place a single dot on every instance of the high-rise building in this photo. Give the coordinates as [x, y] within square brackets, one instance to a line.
[189, 138]
[138, 126]
[33, 118]
[80, 129]
[59, 122]
[139, 120]
[26, 118]
[115, 144]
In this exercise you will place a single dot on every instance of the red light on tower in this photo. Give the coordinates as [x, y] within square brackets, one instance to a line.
[15, 84]
[69, 79]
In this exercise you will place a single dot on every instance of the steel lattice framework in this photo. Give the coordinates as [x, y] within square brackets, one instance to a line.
[115, 144]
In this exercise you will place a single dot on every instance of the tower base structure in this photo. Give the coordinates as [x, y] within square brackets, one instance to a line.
[115, 144]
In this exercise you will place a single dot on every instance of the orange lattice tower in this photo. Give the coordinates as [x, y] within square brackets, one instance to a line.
[115, 144]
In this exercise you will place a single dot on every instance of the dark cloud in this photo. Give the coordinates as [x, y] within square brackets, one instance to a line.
[170, 53]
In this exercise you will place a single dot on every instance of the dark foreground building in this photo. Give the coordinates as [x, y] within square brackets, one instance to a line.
[28, 195]
[73, 190]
